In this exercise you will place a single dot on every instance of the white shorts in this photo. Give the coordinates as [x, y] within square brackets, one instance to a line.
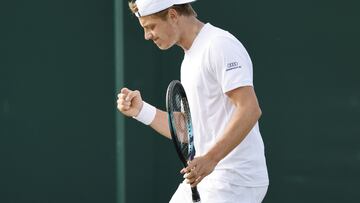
[214, 191]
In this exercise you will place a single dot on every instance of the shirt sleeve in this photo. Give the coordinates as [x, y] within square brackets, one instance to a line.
[230, 63]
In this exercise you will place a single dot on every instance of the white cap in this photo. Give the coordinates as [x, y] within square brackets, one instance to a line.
[148, 7]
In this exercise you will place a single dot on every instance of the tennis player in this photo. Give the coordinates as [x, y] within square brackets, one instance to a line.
[217, 75]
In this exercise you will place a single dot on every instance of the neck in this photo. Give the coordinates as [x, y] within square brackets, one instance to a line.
[190, 28]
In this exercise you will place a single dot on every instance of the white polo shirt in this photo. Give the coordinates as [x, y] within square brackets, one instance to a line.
[215, 64]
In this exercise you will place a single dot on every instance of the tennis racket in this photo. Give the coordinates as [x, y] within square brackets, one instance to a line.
[180, 126]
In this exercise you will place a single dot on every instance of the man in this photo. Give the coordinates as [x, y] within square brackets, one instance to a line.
[216, 73]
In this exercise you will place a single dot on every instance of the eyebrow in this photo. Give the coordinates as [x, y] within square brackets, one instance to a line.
[149, 25]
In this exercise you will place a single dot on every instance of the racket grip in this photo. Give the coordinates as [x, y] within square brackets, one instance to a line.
[195, 195]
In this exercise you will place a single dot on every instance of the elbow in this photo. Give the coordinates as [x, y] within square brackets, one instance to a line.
[257, 113]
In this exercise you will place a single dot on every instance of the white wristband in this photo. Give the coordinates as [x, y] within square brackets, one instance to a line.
[146, 114]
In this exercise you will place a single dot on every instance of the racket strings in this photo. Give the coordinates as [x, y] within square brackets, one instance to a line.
[180, 126]
[181, 121]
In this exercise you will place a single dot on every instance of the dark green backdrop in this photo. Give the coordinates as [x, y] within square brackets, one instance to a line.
[57, 128]
[61, 64]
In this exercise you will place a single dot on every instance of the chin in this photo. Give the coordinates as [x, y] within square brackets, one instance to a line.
[161, 47]
[165, 46]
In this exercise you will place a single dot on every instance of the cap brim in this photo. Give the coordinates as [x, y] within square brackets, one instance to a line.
[184, 1]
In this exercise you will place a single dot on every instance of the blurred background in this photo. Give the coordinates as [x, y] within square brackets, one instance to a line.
[63, 62]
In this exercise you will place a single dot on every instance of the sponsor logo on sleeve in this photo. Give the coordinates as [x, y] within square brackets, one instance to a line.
[232, 66]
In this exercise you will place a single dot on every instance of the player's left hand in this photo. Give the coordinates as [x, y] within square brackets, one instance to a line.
[198, 169]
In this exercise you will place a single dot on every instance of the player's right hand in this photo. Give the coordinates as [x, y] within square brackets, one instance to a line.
[129, 102]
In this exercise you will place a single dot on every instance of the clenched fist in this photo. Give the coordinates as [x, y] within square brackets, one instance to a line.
[129, 102]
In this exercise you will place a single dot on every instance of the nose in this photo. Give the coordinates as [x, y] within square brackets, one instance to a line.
[148, 35]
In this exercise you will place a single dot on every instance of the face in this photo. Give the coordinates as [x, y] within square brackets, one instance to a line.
[161, 32]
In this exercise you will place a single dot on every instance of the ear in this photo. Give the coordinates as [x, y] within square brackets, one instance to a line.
[173, 15]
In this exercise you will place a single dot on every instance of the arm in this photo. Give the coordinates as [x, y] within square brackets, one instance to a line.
[246, 114]
[130, 104]
[161, 124]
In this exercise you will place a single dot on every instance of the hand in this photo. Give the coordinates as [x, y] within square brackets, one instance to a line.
[129, 102]
[198, 169]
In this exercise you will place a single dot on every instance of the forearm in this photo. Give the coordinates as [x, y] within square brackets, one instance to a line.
[241, 123]
[160, 123]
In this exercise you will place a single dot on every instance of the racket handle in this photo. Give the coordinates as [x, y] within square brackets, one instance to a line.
[195, 195]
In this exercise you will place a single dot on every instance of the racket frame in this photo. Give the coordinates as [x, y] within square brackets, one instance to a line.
[177, 84]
